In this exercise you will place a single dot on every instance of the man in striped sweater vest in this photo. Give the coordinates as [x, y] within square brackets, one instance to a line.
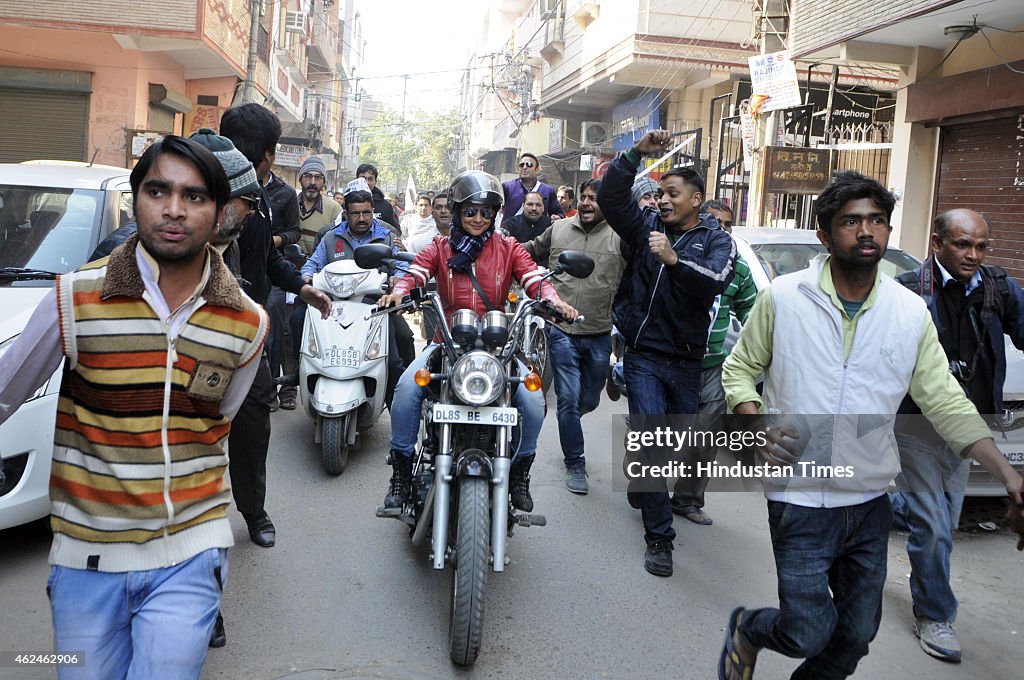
[159, 346]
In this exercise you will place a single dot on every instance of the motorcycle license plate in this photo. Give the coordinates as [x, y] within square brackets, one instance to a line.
[485, 415]
[346, 358]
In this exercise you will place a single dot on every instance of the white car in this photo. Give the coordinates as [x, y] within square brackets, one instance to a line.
[783, 251]
[52, 215]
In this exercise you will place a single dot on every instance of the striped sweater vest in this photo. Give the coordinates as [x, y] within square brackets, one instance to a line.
[137, 480]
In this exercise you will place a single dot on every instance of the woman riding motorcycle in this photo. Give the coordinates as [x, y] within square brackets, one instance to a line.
[472, 250]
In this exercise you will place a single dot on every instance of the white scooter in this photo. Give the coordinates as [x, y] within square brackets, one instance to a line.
[343, 363]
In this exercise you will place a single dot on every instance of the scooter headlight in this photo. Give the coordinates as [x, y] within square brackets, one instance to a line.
[375, 342]
[344, 285]
[478, 378]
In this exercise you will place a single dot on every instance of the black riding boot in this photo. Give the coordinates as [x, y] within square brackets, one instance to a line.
[519, 484]
[401, 481]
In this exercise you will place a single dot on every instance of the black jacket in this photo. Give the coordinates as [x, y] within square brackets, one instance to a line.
[659, 309]
[116, 238]
[385, 212]
[519, 228]
[284, 204]
[261, 261]
[1003, 314]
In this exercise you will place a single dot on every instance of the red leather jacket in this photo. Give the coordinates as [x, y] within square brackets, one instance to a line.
[502, 262]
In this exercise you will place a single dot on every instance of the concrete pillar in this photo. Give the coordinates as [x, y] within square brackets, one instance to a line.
[913, 164]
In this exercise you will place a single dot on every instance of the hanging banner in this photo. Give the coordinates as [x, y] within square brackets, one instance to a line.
[632, 119]
[774, 75]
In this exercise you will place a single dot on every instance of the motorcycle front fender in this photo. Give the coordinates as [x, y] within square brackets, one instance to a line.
[473, 463]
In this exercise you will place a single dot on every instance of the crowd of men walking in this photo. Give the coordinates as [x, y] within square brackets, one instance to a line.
[175, 339]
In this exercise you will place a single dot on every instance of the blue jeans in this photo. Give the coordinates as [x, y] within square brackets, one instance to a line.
[689, 491]
[931, 493]
[831, 565]
[405, 412]
[658, 385]
[138, 624]
[580, 363]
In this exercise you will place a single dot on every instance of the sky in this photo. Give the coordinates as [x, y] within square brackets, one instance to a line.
[416, 37]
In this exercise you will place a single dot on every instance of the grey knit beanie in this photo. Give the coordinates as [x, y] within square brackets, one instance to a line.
[644, 185]
[241, 174]
[312, 164]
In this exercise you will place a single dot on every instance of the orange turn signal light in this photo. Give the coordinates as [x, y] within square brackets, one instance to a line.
[532, 381]
[422, 377]
[513, 297]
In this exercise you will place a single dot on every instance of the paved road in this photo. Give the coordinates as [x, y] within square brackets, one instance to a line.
[343, 595]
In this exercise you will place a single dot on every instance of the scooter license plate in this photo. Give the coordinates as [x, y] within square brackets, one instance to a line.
[346, 358]
[485, 415]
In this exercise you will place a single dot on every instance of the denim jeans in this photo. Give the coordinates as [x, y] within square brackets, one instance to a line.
[688, 493]
[580, 363]
[658, 386]
[831, 565]
[405, 412]
[138, 625]
[927, 504]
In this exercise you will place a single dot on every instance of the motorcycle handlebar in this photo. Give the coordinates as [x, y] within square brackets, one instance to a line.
[377, 311]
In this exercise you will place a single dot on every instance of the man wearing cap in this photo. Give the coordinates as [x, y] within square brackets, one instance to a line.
[645, 192]
[315, 213]
[255, 130]
[340, 243]
[244, 199]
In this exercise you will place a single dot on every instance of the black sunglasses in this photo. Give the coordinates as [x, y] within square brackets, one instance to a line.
[486, 213]
[526, 164]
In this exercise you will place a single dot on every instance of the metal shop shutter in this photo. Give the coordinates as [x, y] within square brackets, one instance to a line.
[43, 124]
[981, 167]
[160, 119]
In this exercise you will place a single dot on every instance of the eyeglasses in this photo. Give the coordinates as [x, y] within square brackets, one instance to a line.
[527, 164]
[313, 176]
[486, 213]
[361, 213]
[252, 202]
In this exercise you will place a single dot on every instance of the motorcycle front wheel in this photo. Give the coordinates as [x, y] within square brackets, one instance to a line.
[334, 444]
[539, 348]
[469, 578]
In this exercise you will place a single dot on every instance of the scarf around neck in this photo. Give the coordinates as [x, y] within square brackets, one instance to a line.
[466, 248]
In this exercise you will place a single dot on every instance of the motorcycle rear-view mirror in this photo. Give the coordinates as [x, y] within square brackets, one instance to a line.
[293, 251]
[372, 255]
[576, 264]
[404, 256]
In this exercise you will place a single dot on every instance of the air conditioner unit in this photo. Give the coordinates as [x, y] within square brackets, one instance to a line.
[295, 22]
[595, 134]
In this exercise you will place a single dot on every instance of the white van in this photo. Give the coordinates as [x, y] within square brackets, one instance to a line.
[53, 214]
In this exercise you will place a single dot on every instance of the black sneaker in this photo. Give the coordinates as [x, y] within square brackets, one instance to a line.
[611, 388]
[658, 558]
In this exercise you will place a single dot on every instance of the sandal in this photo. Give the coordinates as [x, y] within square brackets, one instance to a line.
[745, 670]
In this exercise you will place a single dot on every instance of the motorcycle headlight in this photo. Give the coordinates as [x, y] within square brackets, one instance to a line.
[344, 285]
[478, 378]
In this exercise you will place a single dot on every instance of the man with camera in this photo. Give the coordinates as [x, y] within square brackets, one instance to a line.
[973, 305]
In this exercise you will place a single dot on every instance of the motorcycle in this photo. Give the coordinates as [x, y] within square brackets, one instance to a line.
[343, 360]
[460, 504]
